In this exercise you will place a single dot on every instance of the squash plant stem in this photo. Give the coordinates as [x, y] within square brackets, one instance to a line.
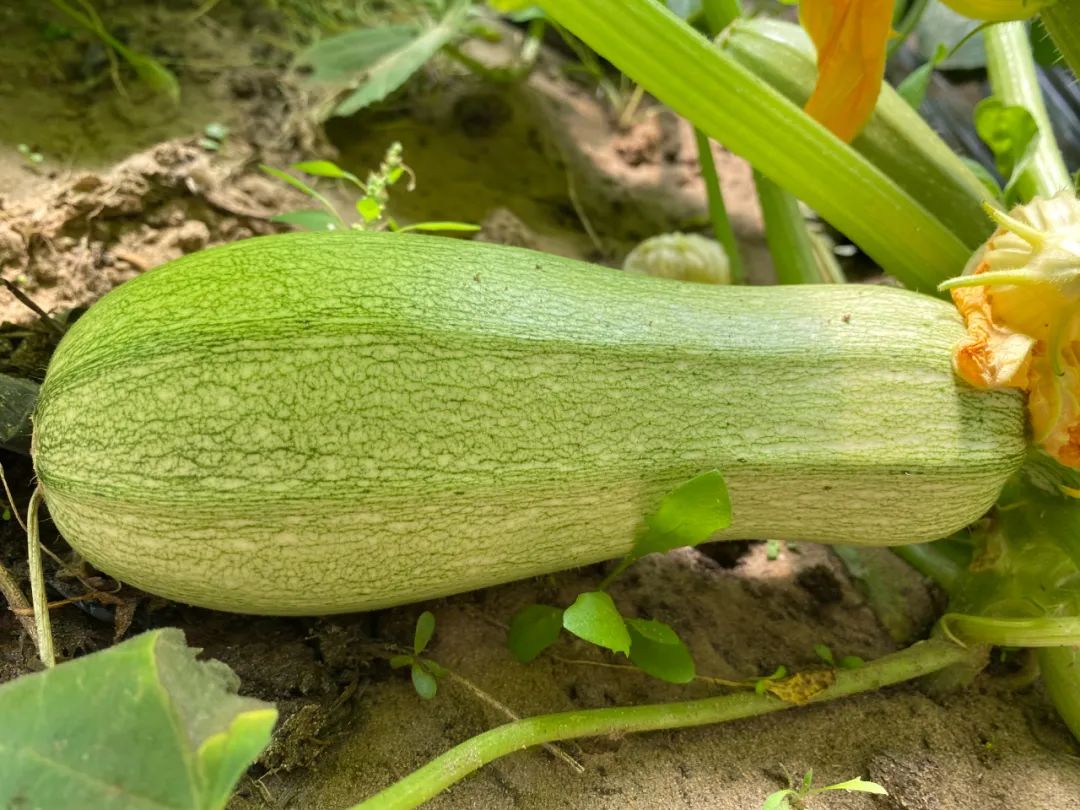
[923, 658]
[786, 233]
[718, 216]
[1013, 80]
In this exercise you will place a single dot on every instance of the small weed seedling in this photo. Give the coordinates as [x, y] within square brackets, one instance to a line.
[687, 516]
[371, 205]
[31, 155]
[213, 137]
[425, 673]
[847, 662]
[795, 798]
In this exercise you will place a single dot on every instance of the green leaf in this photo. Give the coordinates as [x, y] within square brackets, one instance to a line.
[1043, 47]
[778, 800]
[825, 654]
[137, 725]
[350, 54]
[807, 780]
[149, 70]
[439, 226]
[527, 15]
[424, 682]
[858, 786]
[689, 514]
[985, 177]
[658, 650]
[215, 130]
[435, 669]
[399, 661]
[285, 177]
[914, 87]
[594, 618]
[533, 629]
[1012, 135]
[683, 8]
[309, 220]
[368, 208]
[851, 662]
[322, 168]
[511, 6]
[425, 629]
[395, 67]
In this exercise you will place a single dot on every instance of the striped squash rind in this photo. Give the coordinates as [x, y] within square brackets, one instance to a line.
[319, 423]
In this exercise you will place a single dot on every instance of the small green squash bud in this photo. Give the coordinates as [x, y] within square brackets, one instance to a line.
[681, 256]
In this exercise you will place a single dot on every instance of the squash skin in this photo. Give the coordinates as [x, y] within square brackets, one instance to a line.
[319, 423]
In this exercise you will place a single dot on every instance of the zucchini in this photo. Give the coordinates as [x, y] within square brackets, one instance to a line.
[319, 423]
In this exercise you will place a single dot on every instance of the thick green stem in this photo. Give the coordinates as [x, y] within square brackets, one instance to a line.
[42, 623]
[730, 104]
[785, 232]
[718, 216]
[1013, 81]
[1039, 631]
[1061, 675]
[896, 139]
[719, 14]
[932, 561]
[457, 763]
[1062, 22]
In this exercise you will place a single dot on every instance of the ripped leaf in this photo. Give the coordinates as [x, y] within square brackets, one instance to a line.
[802, 687]
[141, 724]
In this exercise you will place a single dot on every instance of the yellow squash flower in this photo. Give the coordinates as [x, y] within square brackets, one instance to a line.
[850, 37]
[1020, 299]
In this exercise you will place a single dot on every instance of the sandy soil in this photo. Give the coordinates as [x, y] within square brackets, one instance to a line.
[125, 186]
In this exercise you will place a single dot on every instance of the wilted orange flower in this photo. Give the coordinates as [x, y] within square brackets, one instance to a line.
[1020, 299]
[850, 37]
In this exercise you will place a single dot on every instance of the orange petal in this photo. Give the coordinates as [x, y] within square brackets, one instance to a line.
[850, 36]
[1023, 322]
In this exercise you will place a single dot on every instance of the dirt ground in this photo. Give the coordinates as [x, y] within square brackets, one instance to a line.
[125, 186]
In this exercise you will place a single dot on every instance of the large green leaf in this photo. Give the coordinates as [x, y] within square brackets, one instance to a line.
[140, 725]
[395, 67]
[350, 54]
[688, 515]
